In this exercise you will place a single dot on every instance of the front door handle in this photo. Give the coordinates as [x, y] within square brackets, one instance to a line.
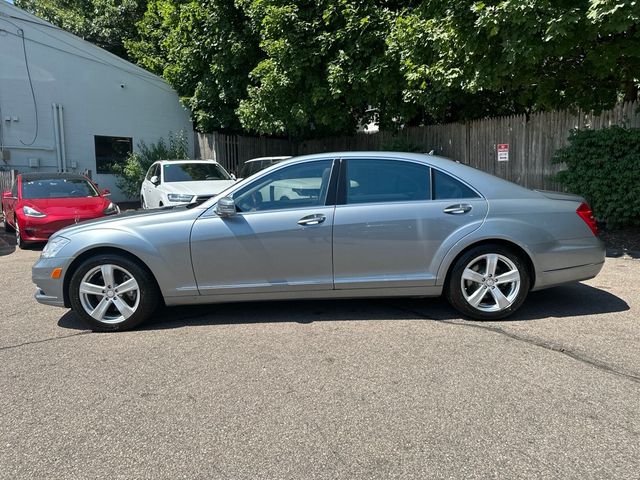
[316, 219]
[459, 209]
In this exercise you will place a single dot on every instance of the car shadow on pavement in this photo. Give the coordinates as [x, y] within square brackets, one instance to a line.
[559, 302]
[7, 242]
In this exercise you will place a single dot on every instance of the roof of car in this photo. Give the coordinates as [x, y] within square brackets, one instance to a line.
[187, 161]
[491, 185]
[281, 157]
[31, 177]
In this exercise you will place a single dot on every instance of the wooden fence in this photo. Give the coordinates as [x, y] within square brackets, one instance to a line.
[532, 142]
[232, 150]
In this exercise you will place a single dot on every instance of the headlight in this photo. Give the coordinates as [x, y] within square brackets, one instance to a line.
[32, 212]
[53, 246]
[112, 209]
[180, 197]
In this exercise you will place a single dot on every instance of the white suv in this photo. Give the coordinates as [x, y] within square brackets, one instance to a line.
[178, 182]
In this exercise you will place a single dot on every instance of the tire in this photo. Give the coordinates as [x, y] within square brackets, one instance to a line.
[7, 228]
[21, 244]
[478, 295]
[104, 308]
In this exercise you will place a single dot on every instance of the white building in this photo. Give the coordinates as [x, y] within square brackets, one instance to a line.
[67, 105]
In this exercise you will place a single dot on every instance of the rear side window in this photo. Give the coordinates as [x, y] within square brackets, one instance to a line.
[377, 181]
[446, 187]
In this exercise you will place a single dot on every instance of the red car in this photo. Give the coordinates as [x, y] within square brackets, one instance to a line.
[40, 204]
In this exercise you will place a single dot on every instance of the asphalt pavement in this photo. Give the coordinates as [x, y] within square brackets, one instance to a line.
[325, 389]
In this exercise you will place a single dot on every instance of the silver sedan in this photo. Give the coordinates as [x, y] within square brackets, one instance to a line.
[335, 225]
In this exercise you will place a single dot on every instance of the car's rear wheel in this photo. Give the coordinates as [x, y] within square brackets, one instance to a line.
[7, 228]
[113, 293]
[488, 282]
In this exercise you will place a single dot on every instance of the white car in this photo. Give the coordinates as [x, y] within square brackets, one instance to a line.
[256, 164]
[178, 182]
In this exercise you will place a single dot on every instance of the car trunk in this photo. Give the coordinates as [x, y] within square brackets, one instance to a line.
[561, 196]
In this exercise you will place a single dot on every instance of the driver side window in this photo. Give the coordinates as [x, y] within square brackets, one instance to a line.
[296, 186]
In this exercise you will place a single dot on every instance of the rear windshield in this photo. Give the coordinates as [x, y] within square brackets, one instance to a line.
[193, 172]
[58, 188]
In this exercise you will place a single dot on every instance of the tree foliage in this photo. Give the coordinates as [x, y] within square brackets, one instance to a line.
[325, 69]
[478, 58]
[130, 174]
[206, 50]
[105, 23]
[303, 68]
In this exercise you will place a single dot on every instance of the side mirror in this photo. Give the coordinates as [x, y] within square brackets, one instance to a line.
[226, 207]
[7, 194]
[155, 180]
[106, 192]
[233, 177]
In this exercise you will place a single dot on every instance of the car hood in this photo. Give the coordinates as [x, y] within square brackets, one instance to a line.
[131, 220]
[209, 187]
[67, 206]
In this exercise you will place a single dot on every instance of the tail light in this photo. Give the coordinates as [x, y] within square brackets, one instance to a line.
[585, 213]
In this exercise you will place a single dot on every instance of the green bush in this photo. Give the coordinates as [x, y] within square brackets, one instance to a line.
[604, 167]
[131, 173]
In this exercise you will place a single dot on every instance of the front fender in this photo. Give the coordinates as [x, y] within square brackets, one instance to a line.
[166, 254]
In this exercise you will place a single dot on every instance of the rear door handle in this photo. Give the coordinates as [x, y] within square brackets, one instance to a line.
[459, 209]
[315, 219]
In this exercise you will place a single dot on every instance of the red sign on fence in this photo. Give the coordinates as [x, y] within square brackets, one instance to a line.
[503, 152]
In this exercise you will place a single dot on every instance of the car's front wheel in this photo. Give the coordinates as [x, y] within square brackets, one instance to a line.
[19, 241]
[113, 293]
[488, 282]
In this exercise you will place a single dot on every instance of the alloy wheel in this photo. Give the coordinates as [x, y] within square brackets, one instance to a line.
[490, 282]
[109, 293]
[18, 237]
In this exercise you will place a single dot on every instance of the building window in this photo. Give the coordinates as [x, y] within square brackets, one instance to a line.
[111, 151]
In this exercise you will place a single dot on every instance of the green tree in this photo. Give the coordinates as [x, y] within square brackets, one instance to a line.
[131, 173]
[205, 50]
[105, 23]
[478, 58]
[325, 69]
[303, 68]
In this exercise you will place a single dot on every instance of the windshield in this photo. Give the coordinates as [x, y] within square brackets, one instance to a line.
[194, 172]
[58, 188]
